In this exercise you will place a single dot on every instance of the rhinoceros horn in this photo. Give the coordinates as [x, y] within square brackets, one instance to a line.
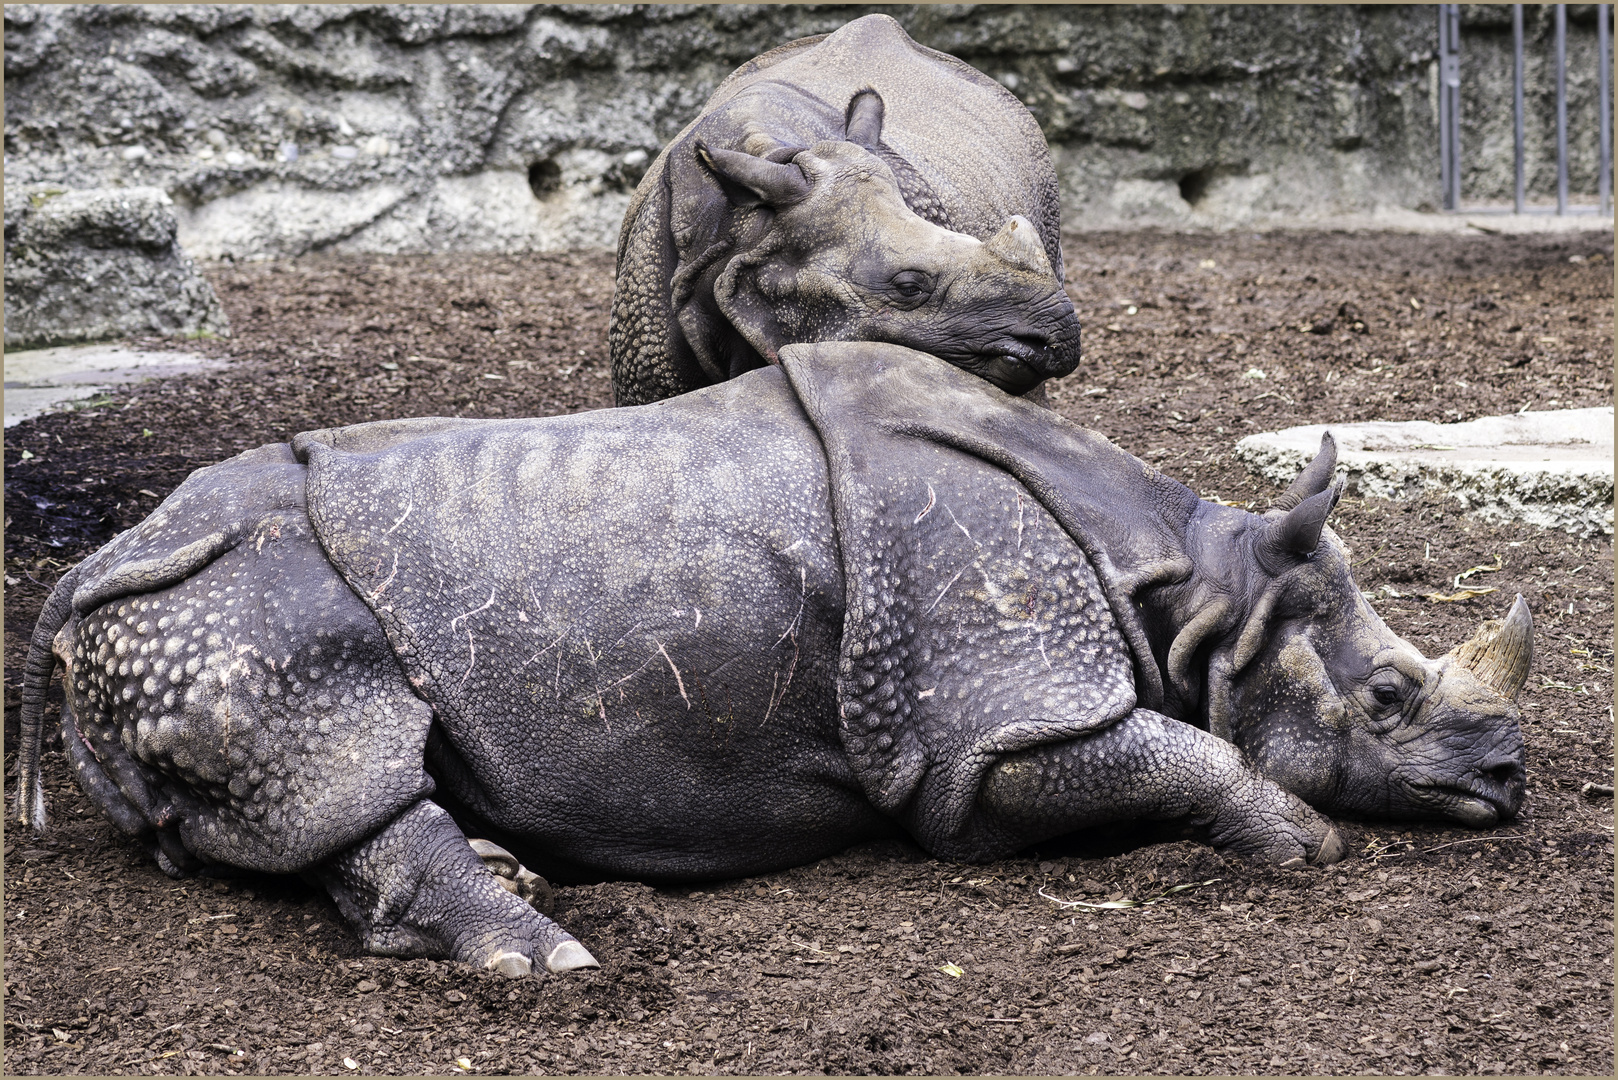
[862, 124]
[1018, 244]
[1314, 478]
[754, 181]
[1499, 654]
[1296, 534]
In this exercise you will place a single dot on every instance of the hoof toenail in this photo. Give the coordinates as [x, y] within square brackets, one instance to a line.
[570, 955]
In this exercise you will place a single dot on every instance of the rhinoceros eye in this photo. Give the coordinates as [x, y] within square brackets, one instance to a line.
[1386, 695]
[911, 285]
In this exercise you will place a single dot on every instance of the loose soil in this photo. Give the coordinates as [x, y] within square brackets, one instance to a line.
[1429, 949]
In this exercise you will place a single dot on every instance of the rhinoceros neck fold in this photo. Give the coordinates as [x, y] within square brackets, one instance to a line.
[937, 475]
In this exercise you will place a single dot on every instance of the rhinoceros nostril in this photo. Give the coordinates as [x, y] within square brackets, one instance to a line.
[1506, 774]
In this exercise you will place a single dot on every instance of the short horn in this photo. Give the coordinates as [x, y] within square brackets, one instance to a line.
[752, 181]
[862, 124]
[1018, 243]
[1501, 652]
[1314, 478]
[1297, 534]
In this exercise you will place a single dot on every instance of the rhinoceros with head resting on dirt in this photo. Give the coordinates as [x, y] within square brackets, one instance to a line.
[851, 187]
[860, 594]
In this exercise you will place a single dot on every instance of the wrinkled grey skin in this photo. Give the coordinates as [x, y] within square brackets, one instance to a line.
[861, 594]
[852, 187]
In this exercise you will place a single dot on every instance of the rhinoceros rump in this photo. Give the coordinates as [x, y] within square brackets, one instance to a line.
[861, 594]
[856, 187]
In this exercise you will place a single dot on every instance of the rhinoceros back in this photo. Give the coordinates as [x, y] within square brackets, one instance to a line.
[625, 622]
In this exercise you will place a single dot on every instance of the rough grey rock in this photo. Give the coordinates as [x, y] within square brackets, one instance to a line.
[280, 129]
[96, 265]
[1552, 469]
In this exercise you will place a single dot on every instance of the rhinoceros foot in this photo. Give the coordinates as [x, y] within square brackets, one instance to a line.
[1332, 849]
[419, 888]
[514, 877]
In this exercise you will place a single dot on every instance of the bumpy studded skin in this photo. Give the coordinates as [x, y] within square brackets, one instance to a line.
[860, 593]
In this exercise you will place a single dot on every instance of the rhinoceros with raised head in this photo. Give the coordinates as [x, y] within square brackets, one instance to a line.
[850, 187]
[863, 593]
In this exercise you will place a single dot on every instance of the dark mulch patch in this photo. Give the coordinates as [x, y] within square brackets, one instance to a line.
[1429, 949]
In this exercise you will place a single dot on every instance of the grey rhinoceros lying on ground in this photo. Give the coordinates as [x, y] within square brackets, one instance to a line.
[860, 594]
[853, 187]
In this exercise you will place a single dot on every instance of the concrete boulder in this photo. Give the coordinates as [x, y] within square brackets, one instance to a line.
[1552, 469]
[97, 265]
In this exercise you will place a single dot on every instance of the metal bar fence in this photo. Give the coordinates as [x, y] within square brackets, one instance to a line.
[1561, 108]
[1449, 108]
[1449, 102]
[1520, 190]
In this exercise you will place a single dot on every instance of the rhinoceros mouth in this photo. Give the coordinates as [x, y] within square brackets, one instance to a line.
[1480, 805]
[1013, 367]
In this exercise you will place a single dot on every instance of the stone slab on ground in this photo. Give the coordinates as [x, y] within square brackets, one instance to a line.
[1552, 469]
[98, 265]
[39, 380]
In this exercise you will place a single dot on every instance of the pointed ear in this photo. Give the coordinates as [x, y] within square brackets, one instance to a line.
[862, 123]
[1314, 478]
[752, 181]
[740, 300]
[1296, 535]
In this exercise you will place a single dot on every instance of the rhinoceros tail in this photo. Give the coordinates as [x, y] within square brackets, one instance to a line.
[36, 682]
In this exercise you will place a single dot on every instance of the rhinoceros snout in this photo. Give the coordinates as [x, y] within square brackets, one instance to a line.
[1504, 782]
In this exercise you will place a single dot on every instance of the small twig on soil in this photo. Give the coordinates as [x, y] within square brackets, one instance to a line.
[1475, 840]
[1593, 790]
[1113, 905]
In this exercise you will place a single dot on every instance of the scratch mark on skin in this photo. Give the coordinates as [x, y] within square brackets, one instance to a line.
[1019, 521]
[619, 682]
[803, 599]
[484, 479]
[408, 507]
[791, 547]
[487, 603]
[927, 693]
[932, 500]
[961, 527]
[947, 586]
[777, 698]
[549, 647]
[677, 680]
[388, 582]
[471, 647]
[1042, 655]
[699, 619]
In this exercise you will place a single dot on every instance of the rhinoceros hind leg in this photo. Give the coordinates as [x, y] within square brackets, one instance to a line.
[514, 877]
[417, 888]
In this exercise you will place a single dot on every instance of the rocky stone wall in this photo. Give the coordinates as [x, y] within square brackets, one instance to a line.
[281, 129]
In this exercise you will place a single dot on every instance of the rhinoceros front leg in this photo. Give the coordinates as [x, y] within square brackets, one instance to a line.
[417, 888]
[1150, 767]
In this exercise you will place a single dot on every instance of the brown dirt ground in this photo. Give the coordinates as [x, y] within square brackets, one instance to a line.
[1430, 949]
